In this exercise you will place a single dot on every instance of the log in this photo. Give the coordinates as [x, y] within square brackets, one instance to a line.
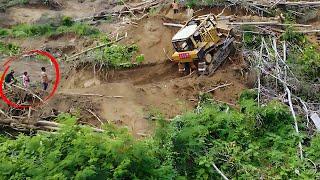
[308, 31]
[300, 3]
[89, 94]
[79, 94]
[47, 123]
[266, 23]
[173, 25]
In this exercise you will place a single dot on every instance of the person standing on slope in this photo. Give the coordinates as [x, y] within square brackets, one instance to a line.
[26, 80]
[9, 79]
[45, 79]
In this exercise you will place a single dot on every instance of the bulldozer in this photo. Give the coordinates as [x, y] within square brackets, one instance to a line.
[202, 45]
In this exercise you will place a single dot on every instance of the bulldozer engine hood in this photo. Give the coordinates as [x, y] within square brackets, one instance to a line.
[187, 56]
[185, 33]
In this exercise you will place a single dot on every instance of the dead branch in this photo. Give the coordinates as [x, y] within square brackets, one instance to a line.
[295, 120]
[96, 116]
[219, 171]
[220, 86]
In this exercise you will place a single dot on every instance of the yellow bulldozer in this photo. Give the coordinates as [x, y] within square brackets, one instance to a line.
[201, 44]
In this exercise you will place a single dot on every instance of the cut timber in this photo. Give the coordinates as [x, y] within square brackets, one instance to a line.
[308, 31]
[90, 94]
[316, 120]
[270, 23]
[173, 25]
[300, 3]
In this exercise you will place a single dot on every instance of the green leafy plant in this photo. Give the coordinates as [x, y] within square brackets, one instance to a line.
[292, 36]
[117, 55]
[310, 61]
[140, 58]
[9, 49]
[66, 26]
[67, 21]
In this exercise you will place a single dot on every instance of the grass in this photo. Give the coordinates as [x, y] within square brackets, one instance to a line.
[66, 26]
[9, 48]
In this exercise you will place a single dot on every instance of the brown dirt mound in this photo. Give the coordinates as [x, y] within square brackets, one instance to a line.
[152, 37]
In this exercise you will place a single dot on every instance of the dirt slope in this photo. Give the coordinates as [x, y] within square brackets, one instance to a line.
[144, 91]
[155, 87]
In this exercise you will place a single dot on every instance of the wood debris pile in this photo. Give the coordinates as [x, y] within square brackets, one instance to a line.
[126, 9]
[276, 81]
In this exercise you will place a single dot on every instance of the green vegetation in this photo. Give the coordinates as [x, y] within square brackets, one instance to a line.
[118, 55]
[65, 26]
[304, 58]
[250, 143]
[292, 36]
[4, 4]
[250, 40]
[9, 49]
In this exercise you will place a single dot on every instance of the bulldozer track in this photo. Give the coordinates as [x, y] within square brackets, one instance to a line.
[220, 56]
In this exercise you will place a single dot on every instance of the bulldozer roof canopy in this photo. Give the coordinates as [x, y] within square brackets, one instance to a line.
[185, 32]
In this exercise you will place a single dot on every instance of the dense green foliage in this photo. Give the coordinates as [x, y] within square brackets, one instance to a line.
[66, 25]
[4, 4]
[9, 49]
[255, 142]
[118, 55]
[304, 58]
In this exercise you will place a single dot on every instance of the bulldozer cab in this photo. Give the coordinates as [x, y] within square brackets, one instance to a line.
[198, 41]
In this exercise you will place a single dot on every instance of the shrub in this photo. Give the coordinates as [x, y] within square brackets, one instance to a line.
[67, 21]
[9, 49]
[117, 55]
[140, 58]
[66, 25]
[310, 61]
[79, 153]
[4, 32]
[27, 30]
[292, 36]
[79, 29]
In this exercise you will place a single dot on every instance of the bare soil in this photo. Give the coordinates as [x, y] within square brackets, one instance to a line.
[153, 88]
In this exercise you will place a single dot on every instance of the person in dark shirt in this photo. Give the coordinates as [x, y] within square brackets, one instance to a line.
[9, 79]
